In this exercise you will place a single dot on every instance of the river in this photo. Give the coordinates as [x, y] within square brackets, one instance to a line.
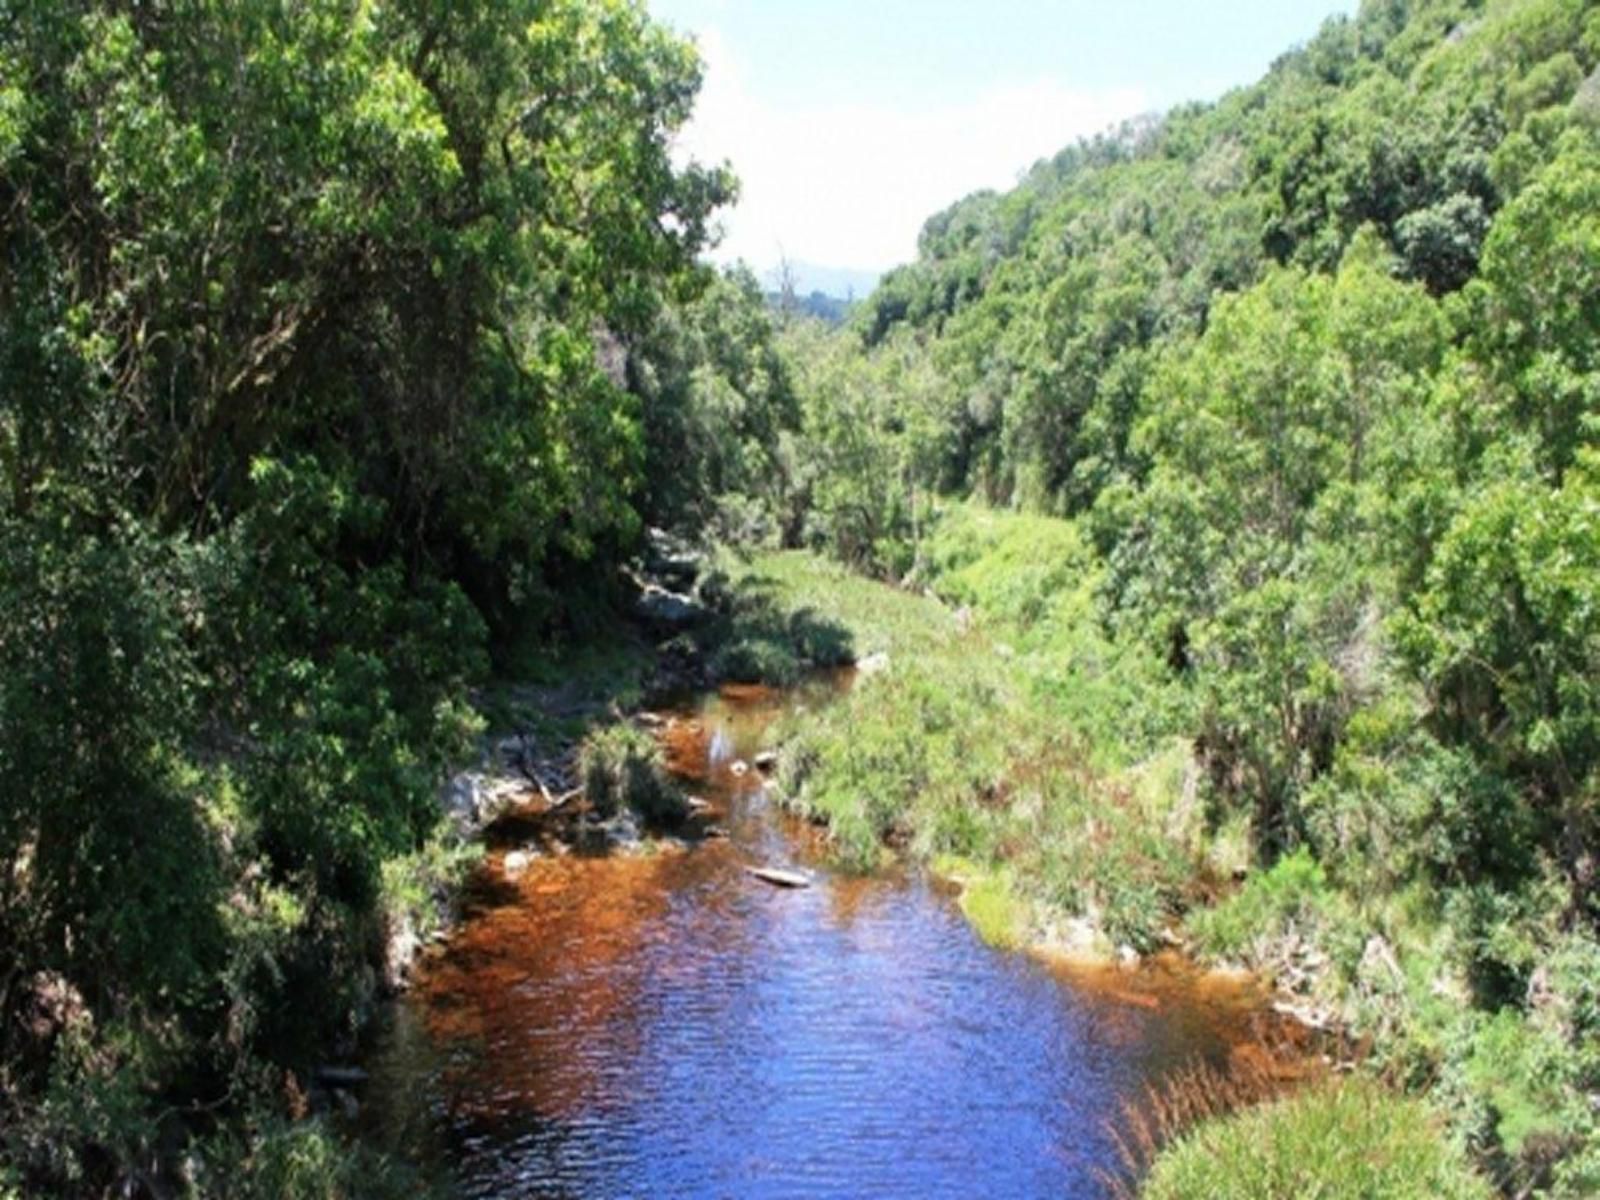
[660, 1024]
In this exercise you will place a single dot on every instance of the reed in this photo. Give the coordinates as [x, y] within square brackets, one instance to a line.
[1196, 1093]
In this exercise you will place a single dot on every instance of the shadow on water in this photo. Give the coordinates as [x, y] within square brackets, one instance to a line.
[659, 1024]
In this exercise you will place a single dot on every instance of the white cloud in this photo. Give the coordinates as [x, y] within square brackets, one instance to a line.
[851, 184]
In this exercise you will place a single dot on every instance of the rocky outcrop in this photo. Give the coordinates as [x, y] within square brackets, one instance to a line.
[674, 611]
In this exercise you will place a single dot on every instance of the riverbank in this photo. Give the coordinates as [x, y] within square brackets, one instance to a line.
[1001, 741]
[1007, 743]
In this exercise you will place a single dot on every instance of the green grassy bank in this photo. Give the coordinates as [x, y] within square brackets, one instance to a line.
[1009, 741]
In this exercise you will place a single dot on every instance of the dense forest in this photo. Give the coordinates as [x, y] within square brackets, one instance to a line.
[347, 350]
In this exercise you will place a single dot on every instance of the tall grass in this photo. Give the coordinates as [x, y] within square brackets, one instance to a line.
[1347, 1139]
[623, 768]
[1165, 1112]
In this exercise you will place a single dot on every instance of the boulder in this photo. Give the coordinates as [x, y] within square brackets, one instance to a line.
[673, 610]
[400, 950]
[460, 798]
[672, 560]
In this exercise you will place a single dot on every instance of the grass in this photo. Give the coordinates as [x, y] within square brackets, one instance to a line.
[555, 693]
[1345, 1140]
[821, 614]
[988, 900]
[1288, 899]
[960, 748]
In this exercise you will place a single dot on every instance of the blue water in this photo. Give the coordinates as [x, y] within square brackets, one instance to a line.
[665, 1026]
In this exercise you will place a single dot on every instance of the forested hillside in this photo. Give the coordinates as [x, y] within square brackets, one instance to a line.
[323, 335]
[1313, 374]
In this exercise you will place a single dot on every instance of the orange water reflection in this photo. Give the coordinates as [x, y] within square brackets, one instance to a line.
[657, 1011]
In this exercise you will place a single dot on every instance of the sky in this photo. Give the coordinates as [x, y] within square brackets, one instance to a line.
[850, 122]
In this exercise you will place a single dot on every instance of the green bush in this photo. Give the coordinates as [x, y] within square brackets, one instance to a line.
[756, 660]
[1343, 1141]
[622, 767]
[1293, 896]
[275, 1159]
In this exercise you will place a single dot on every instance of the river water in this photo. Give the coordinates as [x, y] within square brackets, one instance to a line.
[663, 1025]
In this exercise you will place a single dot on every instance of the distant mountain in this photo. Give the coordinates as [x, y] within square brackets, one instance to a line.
[841, 283]
[831, 309]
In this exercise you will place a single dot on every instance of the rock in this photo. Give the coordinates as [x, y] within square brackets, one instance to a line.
[623, 832]
[349, 1106]
[511, 752]
[460, 798]
[779, 877]
[516, 863]
[400, 950]
[873, 664]
[715, 833]
[739, 767]
[766, 760]
[473, 799]
[696, 805]
[1078, 937]
[1309, 1015]
[1128, 956]
[672, 559]
[672, 609]
[964, 618]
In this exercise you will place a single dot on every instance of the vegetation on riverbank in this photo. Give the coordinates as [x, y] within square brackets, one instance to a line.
[1343, 1141]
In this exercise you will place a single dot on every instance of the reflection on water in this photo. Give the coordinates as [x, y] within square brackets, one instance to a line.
[663, 1025]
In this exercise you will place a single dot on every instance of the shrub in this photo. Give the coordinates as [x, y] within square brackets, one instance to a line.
[1345, 1140]
[621, 767]
[755, 660]
[1294, 893]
